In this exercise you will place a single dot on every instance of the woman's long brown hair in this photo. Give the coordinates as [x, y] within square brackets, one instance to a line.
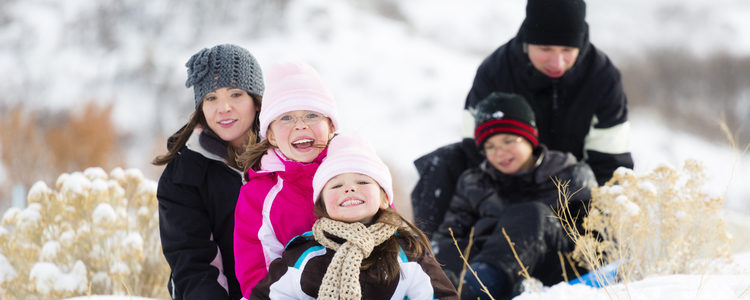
[179, 138]
[382, 264]
[250, 158]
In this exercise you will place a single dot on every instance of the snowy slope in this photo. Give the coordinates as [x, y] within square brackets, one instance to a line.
[400, 77]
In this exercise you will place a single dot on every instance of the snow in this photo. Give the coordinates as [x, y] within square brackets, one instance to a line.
[48, 277]
[10, 215]
[133, 242]
[657, 287]
[95, 173]
[106, 297]
[120, 268]
[99, 186]
[75, 183]
[67, 238]
[38, 190]
[50, 250]
[402, 84]
[7, 272]
[29, 217]
[733, 284]
[632, 208]
[103, 214]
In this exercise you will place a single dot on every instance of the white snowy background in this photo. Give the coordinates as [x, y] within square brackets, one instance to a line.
[400, 71]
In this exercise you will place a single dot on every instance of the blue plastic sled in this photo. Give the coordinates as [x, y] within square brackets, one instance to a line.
[607, 275]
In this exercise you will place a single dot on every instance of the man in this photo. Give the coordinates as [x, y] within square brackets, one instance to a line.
[575, 91]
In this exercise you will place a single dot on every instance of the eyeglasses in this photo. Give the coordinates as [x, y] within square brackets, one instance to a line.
[505, 144]
[307, 117]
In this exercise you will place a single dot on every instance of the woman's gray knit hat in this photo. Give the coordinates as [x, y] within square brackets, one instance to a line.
[222, 66]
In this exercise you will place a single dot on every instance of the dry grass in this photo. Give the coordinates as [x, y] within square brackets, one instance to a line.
[466, 263]
[38, 145]
[84, 139]
[656, 224]
[466, 254]
[96, 233]
[23, 151]
[528, 284]
[524, 271]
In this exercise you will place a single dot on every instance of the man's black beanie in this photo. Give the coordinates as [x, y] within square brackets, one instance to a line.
[555, 22]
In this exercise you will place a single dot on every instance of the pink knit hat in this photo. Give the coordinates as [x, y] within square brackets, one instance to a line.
[294, 86]
[352, 154]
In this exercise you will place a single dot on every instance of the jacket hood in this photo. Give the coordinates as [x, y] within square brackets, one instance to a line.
[276, 162]
[208, 144]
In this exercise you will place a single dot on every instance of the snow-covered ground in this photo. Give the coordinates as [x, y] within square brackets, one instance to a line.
[399, 78]
[732, 283]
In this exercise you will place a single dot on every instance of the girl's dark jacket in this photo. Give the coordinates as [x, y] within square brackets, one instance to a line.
[483, 194]
[589, 94]
[299, 272]
[197, 194]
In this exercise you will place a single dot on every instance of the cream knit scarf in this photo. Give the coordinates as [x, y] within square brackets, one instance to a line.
[341, 280]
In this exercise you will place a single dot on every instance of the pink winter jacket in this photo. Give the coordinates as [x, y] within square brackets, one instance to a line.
[274, 206]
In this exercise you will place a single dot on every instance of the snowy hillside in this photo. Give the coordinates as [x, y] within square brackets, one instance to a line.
[400, 71]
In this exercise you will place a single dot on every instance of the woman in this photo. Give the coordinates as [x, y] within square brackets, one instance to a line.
[198, 189]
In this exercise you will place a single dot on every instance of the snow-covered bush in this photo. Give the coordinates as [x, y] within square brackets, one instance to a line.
[655, 224]
[97, 233]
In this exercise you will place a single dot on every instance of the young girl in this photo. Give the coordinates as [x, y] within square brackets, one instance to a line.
[297, 120]
[513, 189]
[198, 189]
[360, 248]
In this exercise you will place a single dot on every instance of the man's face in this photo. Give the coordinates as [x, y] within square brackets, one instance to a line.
[552, 60]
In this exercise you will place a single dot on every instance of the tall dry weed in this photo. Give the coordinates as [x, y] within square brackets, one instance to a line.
[655, 224]
[37, 145]
[96, 233]
[23, 149]
[83, 139]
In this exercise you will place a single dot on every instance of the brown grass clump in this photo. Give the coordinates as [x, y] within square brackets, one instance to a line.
[96, 233]
[22, 148]
[38, 145]
[655, 224]
[85, 138]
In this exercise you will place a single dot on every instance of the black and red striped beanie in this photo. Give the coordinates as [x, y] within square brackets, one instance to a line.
[504, 113]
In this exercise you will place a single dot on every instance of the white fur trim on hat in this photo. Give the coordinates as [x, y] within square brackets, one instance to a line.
[352, 154]
[293, 86]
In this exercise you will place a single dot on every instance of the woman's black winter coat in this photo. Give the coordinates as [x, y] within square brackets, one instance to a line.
[197, 193]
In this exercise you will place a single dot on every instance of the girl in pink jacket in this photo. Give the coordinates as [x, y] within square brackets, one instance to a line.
[297, 120]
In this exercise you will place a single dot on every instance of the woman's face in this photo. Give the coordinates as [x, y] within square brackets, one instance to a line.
[230, 113]
[509, 153]
[353, 197]
[301, 135]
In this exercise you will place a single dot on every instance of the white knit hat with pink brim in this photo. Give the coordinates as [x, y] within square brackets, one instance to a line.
[349, 153]
[292, 86]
